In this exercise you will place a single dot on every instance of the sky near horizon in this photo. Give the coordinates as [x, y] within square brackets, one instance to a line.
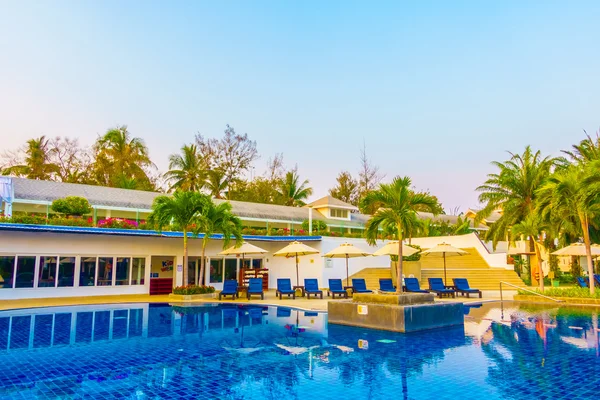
[435, 89]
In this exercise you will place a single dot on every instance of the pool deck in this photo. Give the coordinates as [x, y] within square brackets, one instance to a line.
[270, 299]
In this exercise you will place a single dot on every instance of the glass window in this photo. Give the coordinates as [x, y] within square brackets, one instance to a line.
[216, 270]
[88, 271]
[66, 271]
[47, 273]
[25, 271]
[192, 272]
[105, 271]
[7, 269]
[230, 269]
[257, 263]
[122, 272]
[246, 263]
[138, 271]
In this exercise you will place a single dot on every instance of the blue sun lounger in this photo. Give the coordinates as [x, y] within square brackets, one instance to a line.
[462, 287]
[583, 282]
[230, 288]
[311, 286]
[412, 285]
[386, 285]
[359, 286]
[335, 287]
[436, 285]
[284, 287]
[255, 288]
[597, 279]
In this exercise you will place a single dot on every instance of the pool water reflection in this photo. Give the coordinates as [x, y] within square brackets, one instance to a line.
[146, 351]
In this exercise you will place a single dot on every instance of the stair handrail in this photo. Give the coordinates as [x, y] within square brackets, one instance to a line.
[527, 290]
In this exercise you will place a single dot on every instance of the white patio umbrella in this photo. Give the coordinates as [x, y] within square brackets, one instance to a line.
[243, 249]
[391, 249]
[296, 249]
[346, 250]
[444, 250]
[577, 250]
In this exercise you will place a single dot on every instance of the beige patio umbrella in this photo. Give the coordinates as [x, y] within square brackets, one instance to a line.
[346, 250]
[444, 250]
[243, 249]
[296, 249]
[578, 250]
[391, 249]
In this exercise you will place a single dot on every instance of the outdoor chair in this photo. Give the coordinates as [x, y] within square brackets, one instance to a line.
[582, 282]
[255, 288]
[462, 287]
[230, 288]
[359, 286]
[284, 286]
[436, 285]
[386, 285]
[311, 286]
[597, 279]
[412, 285]
[335, 287]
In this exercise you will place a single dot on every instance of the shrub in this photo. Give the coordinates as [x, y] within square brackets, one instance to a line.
[193, 289]
[72, 205]
[576, 292]
[118, 223]
[317, 225]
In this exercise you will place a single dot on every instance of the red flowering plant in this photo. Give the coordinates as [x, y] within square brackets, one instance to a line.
[118, 223]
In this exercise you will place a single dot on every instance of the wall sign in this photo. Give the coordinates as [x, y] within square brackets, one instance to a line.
[362, 309]
[328, 263]
[167, 266]
[179, 267]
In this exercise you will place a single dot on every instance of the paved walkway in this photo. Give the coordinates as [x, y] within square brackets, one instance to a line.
[270, 299]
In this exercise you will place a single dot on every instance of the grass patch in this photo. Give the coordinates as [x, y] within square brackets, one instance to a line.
[574, 292]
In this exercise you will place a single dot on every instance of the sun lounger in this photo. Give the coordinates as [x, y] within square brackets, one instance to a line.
[255, 288]
[583, 282]
[359, 286]
[597, 279]
[311, 286]
[283, 312]
[230, 288]
[436, 285]
[412, 285]
[462, 287]
[335, 287]
[284, 287]
[386, 285]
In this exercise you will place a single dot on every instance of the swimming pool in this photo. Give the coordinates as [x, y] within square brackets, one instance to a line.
[150, 351]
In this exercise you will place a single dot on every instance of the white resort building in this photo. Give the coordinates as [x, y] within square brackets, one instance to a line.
[44, 260]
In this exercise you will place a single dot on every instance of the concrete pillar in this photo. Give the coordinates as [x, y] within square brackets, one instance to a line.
[310, 210]
[178, 271]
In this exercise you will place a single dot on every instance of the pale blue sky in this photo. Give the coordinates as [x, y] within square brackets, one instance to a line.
[437, 89]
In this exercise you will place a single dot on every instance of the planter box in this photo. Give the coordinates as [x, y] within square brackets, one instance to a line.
[581, 301]
[191, 297]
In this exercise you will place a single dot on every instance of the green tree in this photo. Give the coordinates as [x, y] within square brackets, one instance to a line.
[346, 188]
[572, 194]
[38, 161]
[213, 219]
[72, 205]
[181, 211]
[122, 160]
[292, 192]
[186, 170]
[216, 183]
[396, 210]
[533, 226]
[513, 190]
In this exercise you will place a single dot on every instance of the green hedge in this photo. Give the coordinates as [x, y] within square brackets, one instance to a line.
[193, 289]
[576, 292]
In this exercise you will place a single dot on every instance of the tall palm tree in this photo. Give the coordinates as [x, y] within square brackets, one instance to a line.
[533, 226]
[119, 158]
[571, 194]
[217, 219]
[291, 192]
[396, 208]
[513, 190]
[186, 170]
[216, 183]
[181, 211]
[38, 164]
[586, 151]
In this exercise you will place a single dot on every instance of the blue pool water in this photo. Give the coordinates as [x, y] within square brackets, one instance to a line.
[150, 351]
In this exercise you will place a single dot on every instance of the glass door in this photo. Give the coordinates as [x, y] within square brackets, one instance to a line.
[230, 272]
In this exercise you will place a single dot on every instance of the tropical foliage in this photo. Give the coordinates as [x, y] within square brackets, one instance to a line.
[38, 162]
[395, 206]
[72, 205]
[193, 289]
[186, 170]
[292, 192]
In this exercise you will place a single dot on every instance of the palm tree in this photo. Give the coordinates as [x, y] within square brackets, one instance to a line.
[291, 192]
[572, 194]
[396, 209]
[217, 219]
[513, 190]
[181, 210]
[120, 158]
[38, 164]
[216, 183]
[533, 226]
[186, 170]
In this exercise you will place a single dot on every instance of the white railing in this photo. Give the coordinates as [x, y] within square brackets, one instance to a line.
[528, 291]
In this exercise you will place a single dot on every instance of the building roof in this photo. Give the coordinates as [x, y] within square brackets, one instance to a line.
[329, 201]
